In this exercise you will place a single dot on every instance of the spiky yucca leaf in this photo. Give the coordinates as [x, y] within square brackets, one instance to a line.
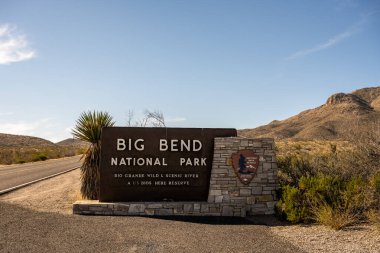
[89, 125]
[89, 128]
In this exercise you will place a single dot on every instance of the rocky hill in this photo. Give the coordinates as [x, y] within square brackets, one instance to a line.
[18, 141]
[10, 140]
[70, 142]
[21, 149]
[341, 116]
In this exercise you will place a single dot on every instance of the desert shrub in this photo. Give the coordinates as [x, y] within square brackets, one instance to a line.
[326, 199]
[332, 217]
[345, 164]
[358, 158]
[39, 157]
[80, 151]
[293, 167]
[374, 217]
[292, 206]
[10, 155]
[374, 183]
[297, 202]
[357, 196]
[89, 128]
[298, 147]
[333, 148]
[320, 188]
[346, 204]
[335, 183]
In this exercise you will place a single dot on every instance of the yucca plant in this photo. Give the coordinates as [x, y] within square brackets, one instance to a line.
[89, 128]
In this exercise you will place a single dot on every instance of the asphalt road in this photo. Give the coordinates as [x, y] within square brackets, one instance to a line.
[15, 175]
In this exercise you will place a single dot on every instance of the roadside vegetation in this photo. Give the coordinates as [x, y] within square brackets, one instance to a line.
[16, 155]
[336, 184]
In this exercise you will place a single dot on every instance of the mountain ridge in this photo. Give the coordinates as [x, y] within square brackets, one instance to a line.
[19, 141]
[360, 110]
[12, 140]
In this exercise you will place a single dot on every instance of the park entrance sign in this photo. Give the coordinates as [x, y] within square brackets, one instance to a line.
[157, 164]
[183, 171]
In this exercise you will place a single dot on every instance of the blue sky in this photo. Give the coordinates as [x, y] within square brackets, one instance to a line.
[202, 63]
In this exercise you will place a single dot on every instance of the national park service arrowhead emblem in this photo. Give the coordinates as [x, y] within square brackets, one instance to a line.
[245, 163]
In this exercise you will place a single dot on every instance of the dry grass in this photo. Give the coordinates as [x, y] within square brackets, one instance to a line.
[314, 147]
[77, 196]
[374, 218]
[334, 218]
[340, 158]
[11, 155]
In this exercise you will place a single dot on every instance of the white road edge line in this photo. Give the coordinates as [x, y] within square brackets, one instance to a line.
[35, 181]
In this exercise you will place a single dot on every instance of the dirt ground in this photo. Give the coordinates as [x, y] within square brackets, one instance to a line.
[39, 218]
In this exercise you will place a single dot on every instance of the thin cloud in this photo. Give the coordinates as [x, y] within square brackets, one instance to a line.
[14, 47]
[44, 128]
[332, 41]
[26, 128]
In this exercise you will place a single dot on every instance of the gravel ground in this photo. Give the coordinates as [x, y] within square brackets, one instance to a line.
[38, 218]
[316, 238]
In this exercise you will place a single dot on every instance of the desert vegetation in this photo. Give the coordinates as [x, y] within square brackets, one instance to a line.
[88, 128]
[16, 149]
[17, 155]
[335, 183]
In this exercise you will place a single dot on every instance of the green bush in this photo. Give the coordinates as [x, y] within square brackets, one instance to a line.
[292, 205]
[40, 157]
[374, 182]
[325, 199]
[297, 202]
[333, 186]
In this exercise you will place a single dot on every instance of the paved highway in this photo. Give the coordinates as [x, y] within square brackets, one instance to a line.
[18, 174]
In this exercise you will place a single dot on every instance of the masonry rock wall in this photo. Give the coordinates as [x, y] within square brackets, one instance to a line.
[259, 196]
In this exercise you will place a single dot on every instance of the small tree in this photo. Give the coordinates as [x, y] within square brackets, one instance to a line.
[151, 118]
[89, 128]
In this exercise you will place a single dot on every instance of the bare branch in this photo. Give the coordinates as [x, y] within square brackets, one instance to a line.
[156, 117]
[130, 118]
[153, 118]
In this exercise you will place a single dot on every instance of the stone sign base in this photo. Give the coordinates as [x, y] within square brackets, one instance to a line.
[94, 207]
[228, 196]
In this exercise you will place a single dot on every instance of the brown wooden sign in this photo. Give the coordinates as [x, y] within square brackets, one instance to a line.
[157, 164]
[245, 163]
